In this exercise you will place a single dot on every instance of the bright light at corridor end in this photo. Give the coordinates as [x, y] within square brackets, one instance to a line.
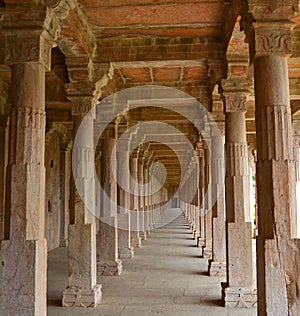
[118, 108]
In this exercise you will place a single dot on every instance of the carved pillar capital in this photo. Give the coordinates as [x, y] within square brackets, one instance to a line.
[22, 46]
[268, 27]
[235, 93]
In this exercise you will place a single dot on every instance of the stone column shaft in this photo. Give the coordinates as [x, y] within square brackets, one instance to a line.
[3, 165]
[217, 265]
[124, 238]
[135, 218]
[65, 195]
[207, 250]
[23, 255]
[278, 255]
[109, 263]
[238, 291]
[82, 290]
[201, 199]
[142, 228]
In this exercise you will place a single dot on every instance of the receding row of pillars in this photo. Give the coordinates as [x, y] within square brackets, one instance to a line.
[23, 243]
[228, 231]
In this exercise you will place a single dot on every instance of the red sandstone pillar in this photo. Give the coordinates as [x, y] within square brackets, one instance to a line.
[23, 255]
[278, 255]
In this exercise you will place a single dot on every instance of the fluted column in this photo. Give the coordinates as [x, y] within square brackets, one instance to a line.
[109, 263]
[278, 254]
[238, 291]
[23, 255]
[217, 265]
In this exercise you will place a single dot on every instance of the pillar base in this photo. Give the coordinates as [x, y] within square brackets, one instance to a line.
[143, 235]
[109, 268]
[73, 297]
[216, 268]
[126, 253]
[63, 243]
[237, 297]
[207, 253]
[201, 242]
[136, 242]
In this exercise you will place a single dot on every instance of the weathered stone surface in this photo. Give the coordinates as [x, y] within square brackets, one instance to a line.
[109, 268]
[217, 268]
[126, 253]
[238, 297]
[82, 297]
[23, 273]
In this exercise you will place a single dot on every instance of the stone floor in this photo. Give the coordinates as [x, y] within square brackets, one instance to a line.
[166, 277]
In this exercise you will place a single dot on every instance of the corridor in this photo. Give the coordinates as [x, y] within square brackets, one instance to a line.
[166, 277]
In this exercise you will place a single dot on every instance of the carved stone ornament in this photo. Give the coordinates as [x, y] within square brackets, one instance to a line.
[235, 102]
[81, 105]
[272, 40]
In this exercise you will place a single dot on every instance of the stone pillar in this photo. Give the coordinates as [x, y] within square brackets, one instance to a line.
[201, 197]
[66, 167]
[296, 221]
[278, 255]
[82, 290]
[23, 255]
[134, 218]
[217, 265]
[126, 251]
[142, 228]
[3, 165]
[109, 263]
[147, 198]
[238, 291]
[207, 250]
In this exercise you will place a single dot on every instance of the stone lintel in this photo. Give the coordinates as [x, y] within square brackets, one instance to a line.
[149, 49]
[109, 268]
[217, 268]
[238, 297]
[73, 297]
[126, 253]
